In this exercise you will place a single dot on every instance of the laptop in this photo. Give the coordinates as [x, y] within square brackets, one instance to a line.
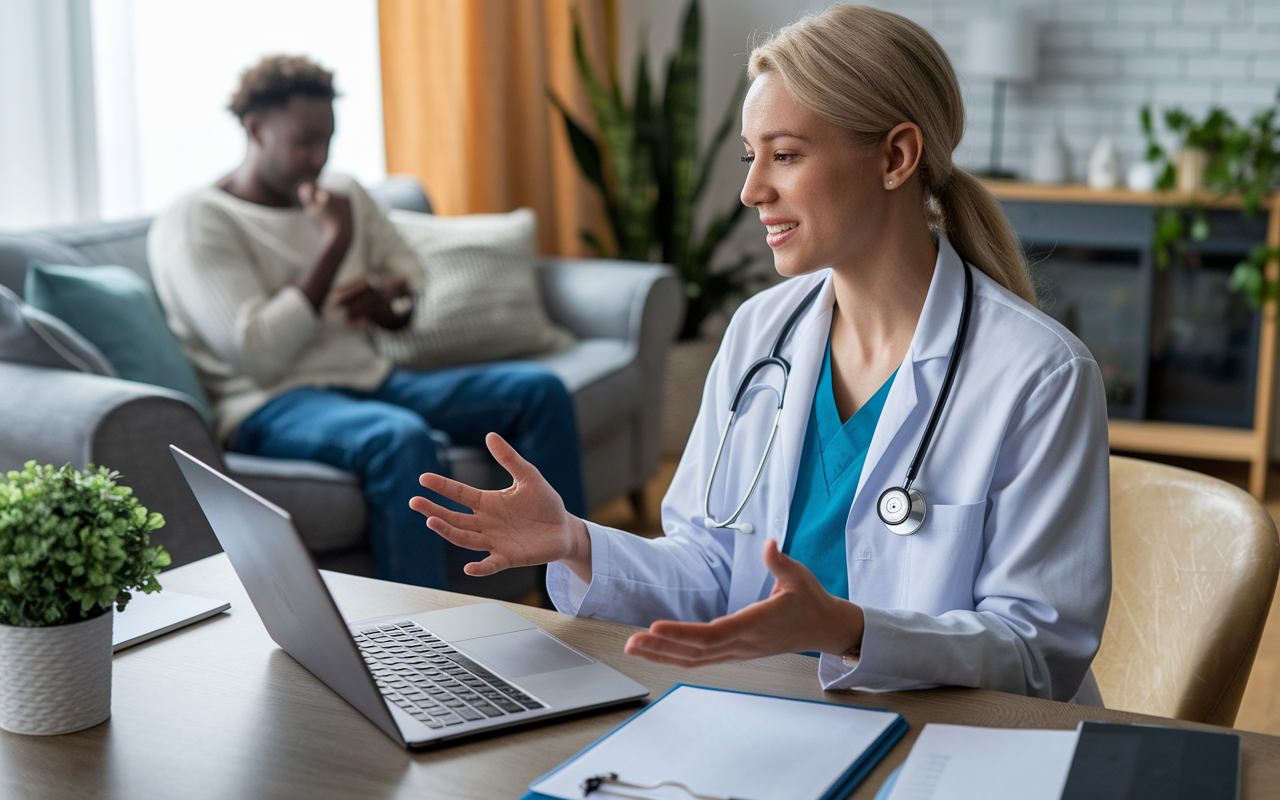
[422, 678]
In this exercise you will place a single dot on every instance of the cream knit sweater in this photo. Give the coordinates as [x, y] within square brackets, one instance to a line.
[223, 268]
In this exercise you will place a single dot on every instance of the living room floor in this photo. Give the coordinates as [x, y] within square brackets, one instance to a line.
[1260, 708]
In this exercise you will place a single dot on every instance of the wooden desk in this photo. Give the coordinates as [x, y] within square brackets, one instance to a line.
[217, 710]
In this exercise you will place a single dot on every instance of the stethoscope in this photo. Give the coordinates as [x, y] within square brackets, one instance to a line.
[901, 508]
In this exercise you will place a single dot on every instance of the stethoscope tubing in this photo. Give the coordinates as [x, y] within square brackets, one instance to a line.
[913, 512]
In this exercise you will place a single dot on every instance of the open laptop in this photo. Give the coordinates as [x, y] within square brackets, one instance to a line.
[422, 678]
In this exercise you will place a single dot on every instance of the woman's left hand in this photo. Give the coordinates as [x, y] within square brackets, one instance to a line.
[798, 616]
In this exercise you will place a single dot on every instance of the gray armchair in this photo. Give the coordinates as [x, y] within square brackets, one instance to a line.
[624, 314]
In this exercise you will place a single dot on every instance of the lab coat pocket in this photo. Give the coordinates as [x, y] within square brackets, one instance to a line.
[945, 556]
[953, 518]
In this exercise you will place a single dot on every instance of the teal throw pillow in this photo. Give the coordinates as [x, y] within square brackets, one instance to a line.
[118, 312]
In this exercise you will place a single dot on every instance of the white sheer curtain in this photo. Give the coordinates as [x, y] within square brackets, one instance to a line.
[48, 152]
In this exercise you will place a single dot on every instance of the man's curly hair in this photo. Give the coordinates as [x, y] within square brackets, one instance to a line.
[272, 81]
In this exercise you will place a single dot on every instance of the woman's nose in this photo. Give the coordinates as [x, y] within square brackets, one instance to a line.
[755, 190]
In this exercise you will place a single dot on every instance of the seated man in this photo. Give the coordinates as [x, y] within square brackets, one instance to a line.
[270, 279]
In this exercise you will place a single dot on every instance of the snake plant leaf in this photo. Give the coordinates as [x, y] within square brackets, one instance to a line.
[719, 228]
[585, 149]
[680, 109]
[722, 132]
[593, 241]
[627, 158]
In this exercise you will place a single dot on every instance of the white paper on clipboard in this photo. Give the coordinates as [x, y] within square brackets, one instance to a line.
[727, 744]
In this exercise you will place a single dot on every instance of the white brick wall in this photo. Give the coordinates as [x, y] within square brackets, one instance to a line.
[1100, 60]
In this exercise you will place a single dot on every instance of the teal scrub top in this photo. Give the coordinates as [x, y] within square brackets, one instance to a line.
[830, 467]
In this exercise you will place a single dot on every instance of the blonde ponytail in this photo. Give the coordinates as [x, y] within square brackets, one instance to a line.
[867, 71]
[979, 231]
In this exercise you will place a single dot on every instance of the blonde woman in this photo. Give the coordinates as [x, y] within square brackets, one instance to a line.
[972, 550]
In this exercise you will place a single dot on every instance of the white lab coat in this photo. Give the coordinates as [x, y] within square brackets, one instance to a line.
[1006, 586]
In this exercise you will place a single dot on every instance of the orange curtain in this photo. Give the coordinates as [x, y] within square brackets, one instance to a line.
[464, 97]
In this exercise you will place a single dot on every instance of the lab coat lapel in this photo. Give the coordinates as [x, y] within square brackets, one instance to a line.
[804, 350]
[933, 339]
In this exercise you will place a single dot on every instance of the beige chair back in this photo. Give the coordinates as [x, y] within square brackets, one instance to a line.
[1194, 566]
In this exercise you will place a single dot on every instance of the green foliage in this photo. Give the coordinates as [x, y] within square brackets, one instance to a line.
[647, 167]
[71, 544]
[1240, 159]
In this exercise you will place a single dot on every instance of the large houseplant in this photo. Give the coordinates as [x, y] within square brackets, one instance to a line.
[651, 174]
[72, 545]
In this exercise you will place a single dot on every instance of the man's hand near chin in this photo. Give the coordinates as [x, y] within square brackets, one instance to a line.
[387, 303]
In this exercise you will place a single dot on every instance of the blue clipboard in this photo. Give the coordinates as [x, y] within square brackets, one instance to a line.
[843, 786]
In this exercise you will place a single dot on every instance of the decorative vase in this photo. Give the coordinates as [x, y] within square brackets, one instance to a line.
[1050, 159]
[55, 679]
[1141, 177]
[1190, 163]
[1104, 166]
[688, 363]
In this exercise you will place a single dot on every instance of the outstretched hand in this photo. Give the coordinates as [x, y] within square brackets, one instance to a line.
[522, 525]
[799, 615]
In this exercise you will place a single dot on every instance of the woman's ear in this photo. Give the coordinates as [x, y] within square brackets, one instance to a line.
[903, 147]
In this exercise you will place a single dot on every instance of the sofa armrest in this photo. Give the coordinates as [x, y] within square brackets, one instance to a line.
[638, 302]
[58, 416]
[611, 298]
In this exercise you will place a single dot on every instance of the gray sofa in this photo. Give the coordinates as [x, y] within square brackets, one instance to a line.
[624, 314]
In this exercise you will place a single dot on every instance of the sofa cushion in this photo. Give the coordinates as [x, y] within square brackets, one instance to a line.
[123, 243]
[117, 311]
[326, 503]
[481, 300]
[16, 252]
[30, 336]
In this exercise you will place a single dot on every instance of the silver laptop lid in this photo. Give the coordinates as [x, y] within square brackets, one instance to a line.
[286, 588]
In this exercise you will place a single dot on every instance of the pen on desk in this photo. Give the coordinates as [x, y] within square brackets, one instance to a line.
[596, 783]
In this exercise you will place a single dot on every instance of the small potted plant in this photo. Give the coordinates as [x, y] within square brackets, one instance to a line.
[72, 544]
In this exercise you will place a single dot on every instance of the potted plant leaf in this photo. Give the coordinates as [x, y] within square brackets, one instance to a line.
[1220, 156]
[72, 545]
[651, 174]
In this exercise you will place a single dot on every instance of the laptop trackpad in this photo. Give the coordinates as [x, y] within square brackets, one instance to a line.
[523, 653]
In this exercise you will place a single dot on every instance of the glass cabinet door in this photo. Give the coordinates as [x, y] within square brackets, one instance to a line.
[1204, 343]
[1097, 294]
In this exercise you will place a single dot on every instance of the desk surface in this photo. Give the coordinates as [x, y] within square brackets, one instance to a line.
[217, 710]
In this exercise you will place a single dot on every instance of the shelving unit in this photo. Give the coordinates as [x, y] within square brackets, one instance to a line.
[1145, 435]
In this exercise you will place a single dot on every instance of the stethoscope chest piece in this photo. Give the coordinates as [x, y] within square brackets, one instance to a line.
[900, 510]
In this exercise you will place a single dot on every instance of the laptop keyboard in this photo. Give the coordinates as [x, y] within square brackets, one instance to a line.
[437, 685]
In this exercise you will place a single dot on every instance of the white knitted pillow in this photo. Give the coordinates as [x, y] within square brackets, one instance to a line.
[480, 300]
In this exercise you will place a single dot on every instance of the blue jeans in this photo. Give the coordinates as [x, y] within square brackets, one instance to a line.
[385, 437]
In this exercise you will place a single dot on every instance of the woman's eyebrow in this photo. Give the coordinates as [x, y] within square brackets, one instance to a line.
[771, 135]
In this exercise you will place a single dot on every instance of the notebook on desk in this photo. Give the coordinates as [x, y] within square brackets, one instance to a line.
[1096, 761]
[422, 678]
[699, 742]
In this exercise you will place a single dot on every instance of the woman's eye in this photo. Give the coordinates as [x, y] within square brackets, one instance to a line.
[784, 157]
[748, 159]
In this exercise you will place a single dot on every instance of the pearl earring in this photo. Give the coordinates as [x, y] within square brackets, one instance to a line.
[890, 183]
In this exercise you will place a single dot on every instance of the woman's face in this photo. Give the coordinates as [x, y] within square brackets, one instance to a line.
[819, 195]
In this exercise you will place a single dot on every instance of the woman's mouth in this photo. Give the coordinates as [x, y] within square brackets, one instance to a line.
[780, 233]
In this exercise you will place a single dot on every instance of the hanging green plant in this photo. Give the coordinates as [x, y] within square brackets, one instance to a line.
[1230, 158]
[648, 169]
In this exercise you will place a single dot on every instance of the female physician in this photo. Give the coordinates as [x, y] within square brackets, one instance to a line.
[980, 557]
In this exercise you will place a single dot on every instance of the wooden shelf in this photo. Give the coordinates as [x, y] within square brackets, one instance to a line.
[1080, 193]
[1175, 439]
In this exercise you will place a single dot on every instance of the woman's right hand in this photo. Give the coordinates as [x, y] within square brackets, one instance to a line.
[522, 525]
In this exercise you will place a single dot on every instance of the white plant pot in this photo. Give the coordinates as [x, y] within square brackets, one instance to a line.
[55, 679]
[687, 365]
